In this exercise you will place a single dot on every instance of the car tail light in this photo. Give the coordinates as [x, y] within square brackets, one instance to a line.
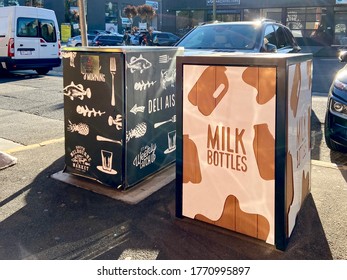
[10, 50]
[59, 48]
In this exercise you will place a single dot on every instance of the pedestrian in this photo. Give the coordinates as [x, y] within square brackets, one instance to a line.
[126, 38]
[152, 40]
[143, 40]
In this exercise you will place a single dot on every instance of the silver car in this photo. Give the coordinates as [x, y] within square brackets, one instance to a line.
[77, 41]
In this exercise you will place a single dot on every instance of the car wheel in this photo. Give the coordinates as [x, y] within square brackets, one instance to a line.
[42, 71]
[78, 45]
[330, 143]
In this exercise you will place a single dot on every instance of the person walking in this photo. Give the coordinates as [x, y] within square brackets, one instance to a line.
[126, 38]
[152, 40]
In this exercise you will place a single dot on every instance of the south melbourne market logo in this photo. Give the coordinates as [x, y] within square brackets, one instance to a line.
[80, 159]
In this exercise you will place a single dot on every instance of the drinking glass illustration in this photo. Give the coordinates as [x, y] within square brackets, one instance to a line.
[106, 157]
[171, 137]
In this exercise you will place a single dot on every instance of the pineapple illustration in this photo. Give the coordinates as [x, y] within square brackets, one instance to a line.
[139, 130]
[81, 128]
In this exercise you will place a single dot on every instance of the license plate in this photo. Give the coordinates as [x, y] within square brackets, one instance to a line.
[25, 52]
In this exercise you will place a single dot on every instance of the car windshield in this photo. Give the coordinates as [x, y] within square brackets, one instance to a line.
[224, 36]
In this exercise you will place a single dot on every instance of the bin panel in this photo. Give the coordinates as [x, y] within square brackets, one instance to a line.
[298, 156]
[150, 112]
[229, 147]
[93, 111]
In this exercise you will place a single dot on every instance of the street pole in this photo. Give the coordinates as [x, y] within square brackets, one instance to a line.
[214, 10]
[83, 24]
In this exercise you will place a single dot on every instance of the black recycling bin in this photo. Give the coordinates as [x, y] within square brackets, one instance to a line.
[120, 112]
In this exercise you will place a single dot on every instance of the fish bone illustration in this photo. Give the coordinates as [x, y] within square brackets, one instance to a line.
[86, 112]
[143, 85]
[138, 64]
[77, 91]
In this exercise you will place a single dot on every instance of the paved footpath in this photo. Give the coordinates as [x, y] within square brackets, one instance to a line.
[44, 218]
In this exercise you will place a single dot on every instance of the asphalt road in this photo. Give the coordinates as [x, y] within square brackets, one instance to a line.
[42, 218]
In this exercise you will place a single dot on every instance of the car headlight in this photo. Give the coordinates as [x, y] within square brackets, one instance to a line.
[338, 108]
[340, 85]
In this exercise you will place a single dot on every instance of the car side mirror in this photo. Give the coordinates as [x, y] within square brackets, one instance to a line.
[343, 56]
[271, 48]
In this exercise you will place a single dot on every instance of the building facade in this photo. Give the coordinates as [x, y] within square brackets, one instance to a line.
[100, 14]
[314, 22]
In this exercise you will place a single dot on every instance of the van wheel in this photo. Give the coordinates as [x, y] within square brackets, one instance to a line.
[42, 71]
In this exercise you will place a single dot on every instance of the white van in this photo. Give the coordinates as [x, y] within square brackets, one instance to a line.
[29, 39]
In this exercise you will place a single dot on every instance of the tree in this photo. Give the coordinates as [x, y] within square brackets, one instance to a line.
[34, 3]
[146, 12]
[130, 12]
[71, 16]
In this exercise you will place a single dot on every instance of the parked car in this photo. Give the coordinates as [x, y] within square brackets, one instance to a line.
[164, 38]
[29, 39]
[76, 41]
[335, 125]
[108, 40]
[241, 36]
[98, 32]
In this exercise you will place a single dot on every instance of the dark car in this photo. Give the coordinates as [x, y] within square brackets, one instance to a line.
[108, 40]
[335, 125]
[241, 36]
[163, 38]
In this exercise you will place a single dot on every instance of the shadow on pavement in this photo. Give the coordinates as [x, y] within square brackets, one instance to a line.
[60, 221]
[316, 136]
[6, 77]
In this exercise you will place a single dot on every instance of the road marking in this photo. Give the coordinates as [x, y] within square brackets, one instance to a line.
[328, 164]
[34, 146]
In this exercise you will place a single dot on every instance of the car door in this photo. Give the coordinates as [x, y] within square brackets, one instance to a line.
[27, 38]
[48, 45]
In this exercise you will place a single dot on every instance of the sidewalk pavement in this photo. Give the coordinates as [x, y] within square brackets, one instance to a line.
[44, 218]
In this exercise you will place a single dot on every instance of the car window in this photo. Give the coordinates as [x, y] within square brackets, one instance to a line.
[270, 34]
[281, 38]
[290, 37]
[236, 36]
[47, 30]
[27, 27]
[162, 35]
